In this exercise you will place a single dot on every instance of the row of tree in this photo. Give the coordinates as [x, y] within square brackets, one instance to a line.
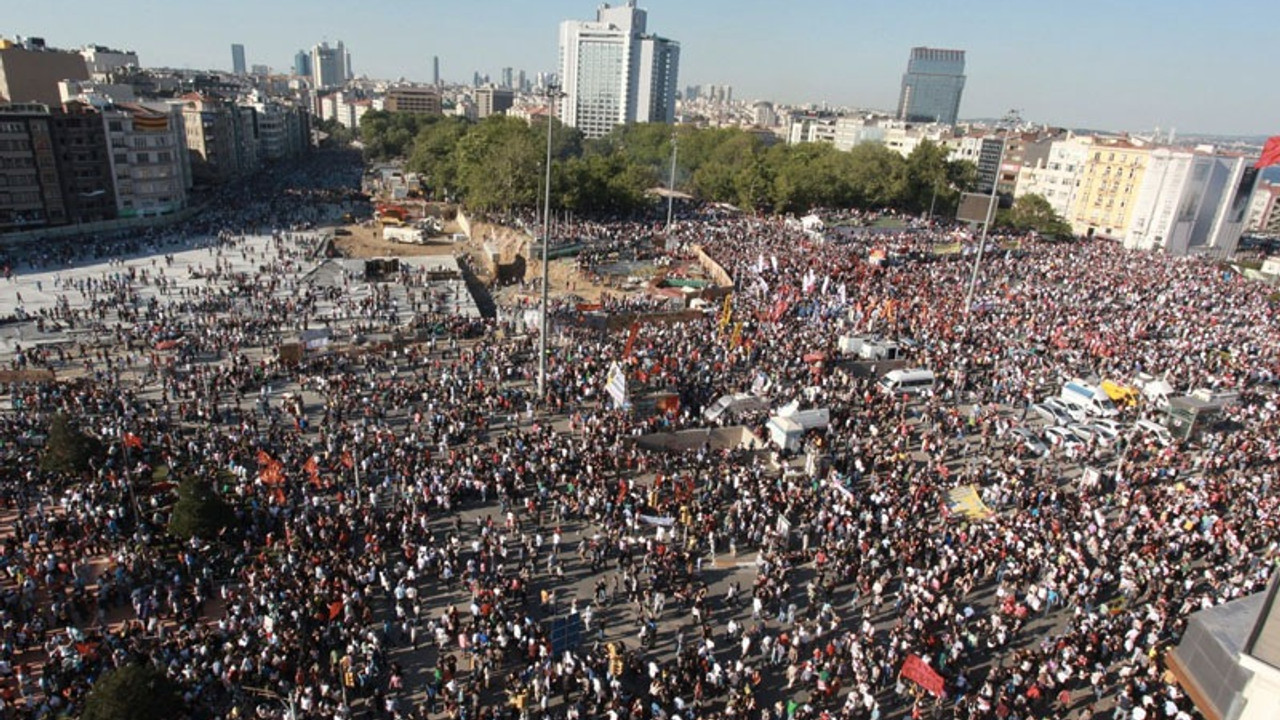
[500, 162]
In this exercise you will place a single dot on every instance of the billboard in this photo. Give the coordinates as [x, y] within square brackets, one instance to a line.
[974, 208]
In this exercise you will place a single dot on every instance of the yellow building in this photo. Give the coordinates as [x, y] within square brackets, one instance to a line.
[1109, 185]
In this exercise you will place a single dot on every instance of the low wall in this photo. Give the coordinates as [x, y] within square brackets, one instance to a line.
[732, 438]
[464, 222]
[103, 227]
[713, 268]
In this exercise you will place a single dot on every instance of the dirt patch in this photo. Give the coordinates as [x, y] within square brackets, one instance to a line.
[365, 241]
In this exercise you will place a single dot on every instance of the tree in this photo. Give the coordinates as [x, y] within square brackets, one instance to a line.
[137, 691]
[1034, 213]
[339, 135]
[68, 450]
[200, 512]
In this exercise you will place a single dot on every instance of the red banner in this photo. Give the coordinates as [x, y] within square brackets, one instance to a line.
[1270, 153]
[918, 671]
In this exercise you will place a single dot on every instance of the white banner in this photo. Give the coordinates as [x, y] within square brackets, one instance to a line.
[660, 521]
[616, 386]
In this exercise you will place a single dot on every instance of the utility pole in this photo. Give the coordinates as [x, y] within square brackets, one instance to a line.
[552, 93]
[986, 225]
[671, 186]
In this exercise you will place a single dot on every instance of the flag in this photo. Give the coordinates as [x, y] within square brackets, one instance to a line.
[913, 668]
[335, 609]
[132, 441]
[1270, 153]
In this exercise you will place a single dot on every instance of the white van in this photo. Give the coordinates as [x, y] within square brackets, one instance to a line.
[1089, 398]
[907, 382]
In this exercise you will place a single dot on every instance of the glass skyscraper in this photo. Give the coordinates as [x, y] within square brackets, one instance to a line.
[932, 86]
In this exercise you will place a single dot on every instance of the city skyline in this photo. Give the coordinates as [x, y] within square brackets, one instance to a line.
[1129, 68]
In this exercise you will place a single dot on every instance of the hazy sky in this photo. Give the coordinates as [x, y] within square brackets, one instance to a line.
[1198, 65]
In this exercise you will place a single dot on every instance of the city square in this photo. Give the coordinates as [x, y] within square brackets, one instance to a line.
[519, 362]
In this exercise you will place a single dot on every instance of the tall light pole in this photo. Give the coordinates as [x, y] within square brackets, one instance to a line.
[671, 185]
[552, 93]
[986, 225]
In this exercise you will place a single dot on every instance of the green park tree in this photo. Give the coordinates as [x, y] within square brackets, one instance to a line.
[1034, 213]
[68, 449]
[199, 512]
[137, 691]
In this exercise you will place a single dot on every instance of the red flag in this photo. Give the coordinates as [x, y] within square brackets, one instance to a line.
[917, 670]
[132, 441]
[1270, 153]
[335, 609]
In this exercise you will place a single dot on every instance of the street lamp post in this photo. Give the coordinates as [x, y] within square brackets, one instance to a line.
[986, 225]
[671, 186]
[552, 93]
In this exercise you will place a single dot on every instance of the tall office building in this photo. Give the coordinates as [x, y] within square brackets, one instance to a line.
[508, 77]
[237, 59]
[614, 72]
[491, 101]
[435, 70]
[302, 64]
[932, 86]
[329, 65]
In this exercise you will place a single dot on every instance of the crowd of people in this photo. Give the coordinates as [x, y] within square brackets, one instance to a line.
[413, 528]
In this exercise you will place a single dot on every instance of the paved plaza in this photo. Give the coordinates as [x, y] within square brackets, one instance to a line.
[414, 532]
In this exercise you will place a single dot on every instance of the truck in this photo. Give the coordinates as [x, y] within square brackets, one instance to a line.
[1089, 398]
[403, 235]
[869, 347]
[787, 430]
[1120, 394]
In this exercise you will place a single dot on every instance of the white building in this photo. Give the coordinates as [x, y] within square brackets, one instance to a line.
[148, 158]
[613, 72]
[1191, 201]
[101, 61]
[851, 132]
[1056, 178]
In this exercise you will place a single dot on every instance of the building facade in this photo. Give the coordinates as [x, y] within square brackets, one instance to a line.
[932, 86]
[31, 194]
[210, 135]
[1057, 177]
[238, 65]
[328, 66]
[613, 72]
[1191, 202]
[84, 163]
[413, 99]
[492, 101]
[302, 64]
[30, 73]
[1264, 209]
[103, 61]
[147, 159]
[1113, 172]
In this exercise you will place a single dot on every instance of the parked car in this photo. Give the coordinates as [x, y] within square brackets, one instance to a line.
[1083, 431]
[1028, 439]
[1153, 429]
[1062, 439]
[1075, 412]
[1050, 414]
[1103, 433]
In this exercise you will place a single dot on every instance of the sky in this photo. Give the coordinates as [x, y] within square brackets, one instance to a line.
[1134, 65]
